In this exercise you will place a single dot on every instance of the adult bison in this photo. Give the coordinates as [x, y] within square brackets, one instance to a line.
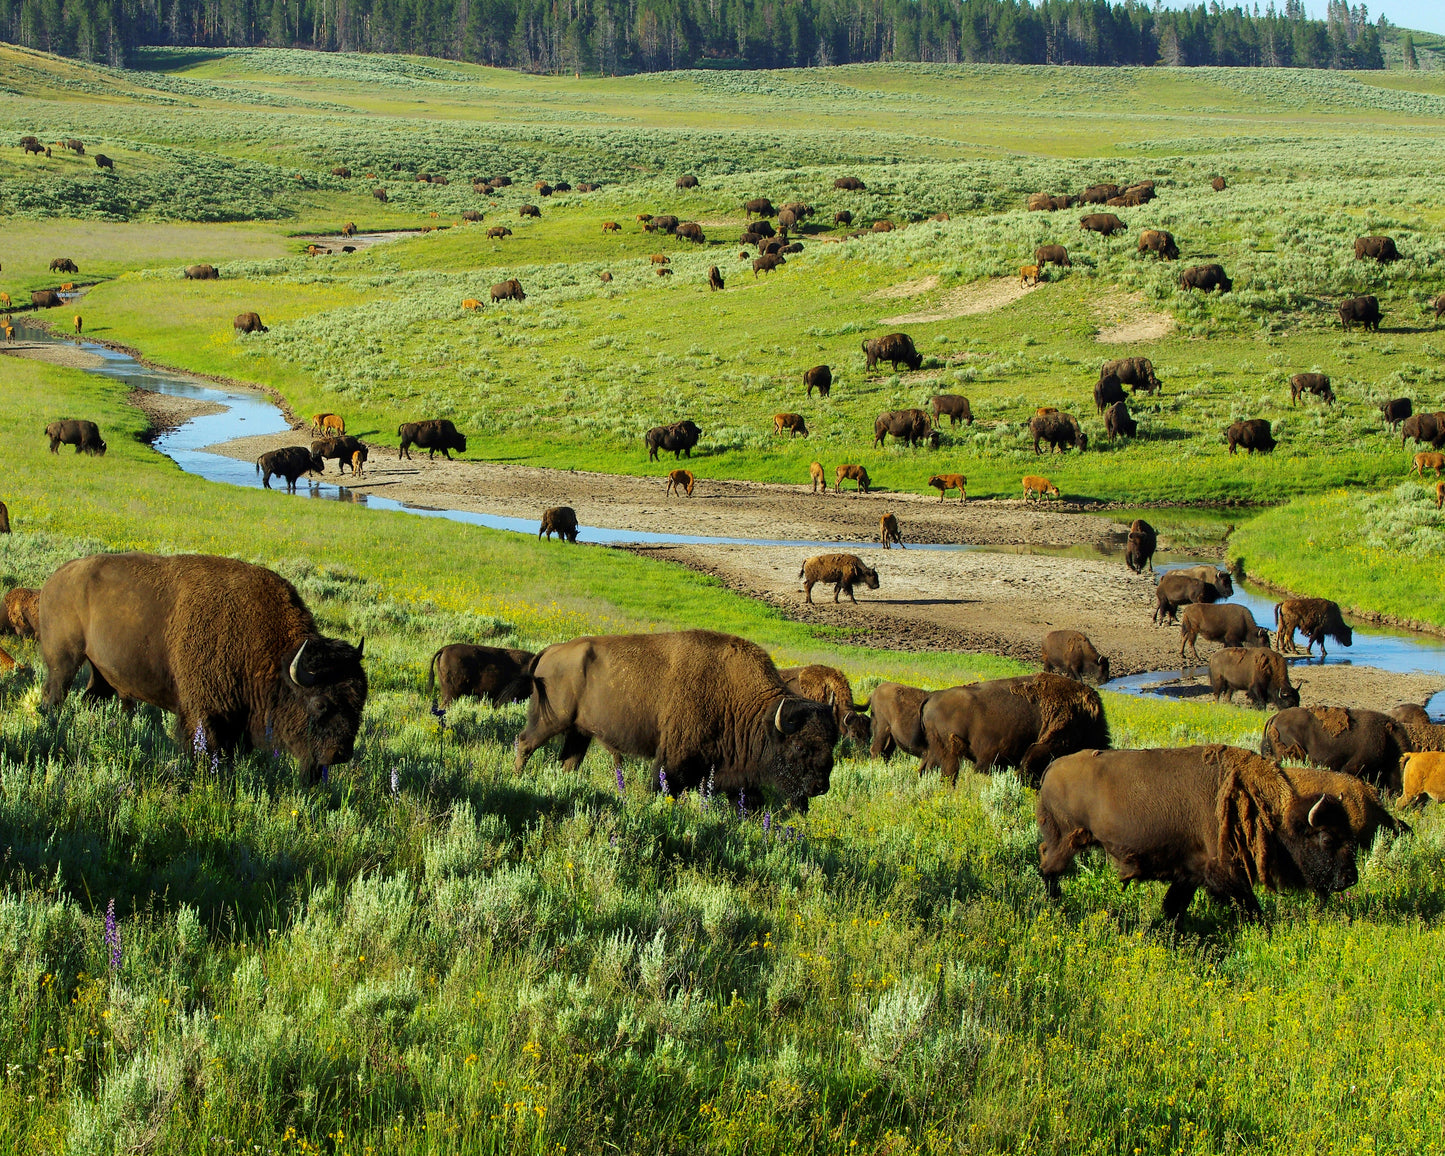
[1106, 224]
[509, 290]
[1177, 589]
[714, 277]
[529, 211]
[894, 347]
[559, 520]
[1160, 243]
[1052, 255]
[953, 406]
[4, 519]
[1206, 278]
[1216, 817]
[849, 184]
[46, 298]
[1023, 722]
[380, 195]
[1253, 435]
[830, 686]
[843, 217]
[1060, 430]
[249, 323]
[1070, 653]
[1381, 249]
[1107, 393]
[843, 570]
[472, 216]
[64, 265]
[104, 162]
[691, 231]
[342, 450]
[1424, 427]
[1139, 549]
[686, 181]
[497, 232]
[1395, 411]
[289, 462]
[1315, 618]
[1135, 372]
[896, 711]
[227, 647]
[704, 707]
[1098, 194]
[1363, 743]
[767, 263]
[1218, 184]
[432, 435]
[494, 673]
[820, 377]
[908, 425]
[202, 273]
[83, 435]
[1315, 383]
[759, 207]
[1229, 623]
[1360, 311]
[1118, 423]
[680, 437]
[1261, 674]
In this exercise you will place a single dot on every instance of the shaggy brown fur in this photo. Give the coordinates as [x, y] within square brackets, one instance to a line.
[465, 671]
[843, 570]
[4, 519]
[21, 615]
[508, 290]
[896, 348]
[1314, 618]
[830, 686]
[559, 520]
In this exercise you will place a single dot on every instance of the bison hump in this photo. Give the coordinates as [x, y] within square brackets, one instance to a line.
[1335, 719]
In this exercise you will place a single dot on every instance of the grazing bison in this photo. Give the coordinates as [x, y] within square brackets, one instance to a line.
[888, 532]
[1023, 722]
[1395, 411]
[759, 207]
[787, 219]
[893, 347]
[289, 462]
[1381, 249]
[665, 224]
[1222, 622]
[680, 437]
[1424, 427]
[1060, 430]
[46, 298]
[909, 425]
[830, 686]
[509, 290]
[64, 265]
[559, 520]
[529, 211]
[202, 273]
[227, 647]
[1216, 817]
[497, 232]
[1160, 243]
[461, 670]
[1139, 550]
[431, 435]
[104, 162]
[1315, 618]
[1178, 589]
[843, 217]
[953, 406]
[1039, 202]
[945, 482]
[1052, 255]
[611, 227]
[1214, 574]
[843, 570]
[1106, 224]
[850, 473]
[686, 181]
[471, 215]
[1028, 274]
[820, 377]
[1261, 674]
[897, 716]
[4, 519]
[819, 478]
[20, 612]
[1070, 653]
[884, 226]
[1218, 184]
[380, 195]
[1107, 393]
[1360, 311]
[328, 423]
[1422, 778]
[83, 435]
[1428, 461]
[1135, 372]
[791, 422]
[1315, 383]
[348, 229]
[704, 707]
[1118, 423]
[1364, 743]
[691, 231]
[249, 323]
[1253, 435]
[767, 263]
[758, 230]
[1098, 194]
[714, 277]
[604, 276]
[849, 184]
[344, 450]
[1206, 278]
[1038, 487]
[679, 481]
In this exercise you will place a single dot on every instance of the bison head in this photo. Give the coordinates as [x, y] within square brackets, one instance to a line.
[316, 703]
[318, 463]
[1343, 633]
[868, 576]
[1319, 838]
[803, 735]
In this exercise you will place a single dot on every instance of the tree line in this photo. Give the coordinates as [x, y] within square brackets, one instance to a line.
[619, 36]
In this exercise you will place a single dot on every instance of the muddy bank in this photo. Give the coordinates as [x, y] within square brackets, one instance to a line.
[69, 356]
[166, 412]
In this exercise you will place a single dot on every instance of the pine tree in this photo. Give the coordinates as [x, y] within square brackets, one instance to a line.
[1411, 62]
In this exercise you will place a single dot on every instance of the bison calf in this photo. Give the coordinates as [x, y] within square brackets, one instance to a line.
[559, 520]
[461, 670]
[679, 481]
[945, 482]
[843, 570]
[888, 532]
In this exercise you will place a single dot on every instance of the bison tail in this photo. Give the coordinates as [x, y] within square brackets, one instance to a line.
[1277, 605]
[431, 675]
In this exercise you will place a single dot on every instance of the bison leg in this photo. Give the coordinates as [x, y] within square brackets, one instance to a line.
[1057, 851]
[1177, 900]
[574, 749]
[97, 689]
[882, 745]
[808, 592]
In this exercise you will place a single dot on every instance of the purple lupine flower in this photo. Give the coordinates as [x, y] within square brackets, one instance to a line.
[767, 821]
[742, 804]
[662, 779]
[198, 740]
[112, 934]
[621, 782]
[325, 774]
[789, 832]
[395, 781]
[215, 762]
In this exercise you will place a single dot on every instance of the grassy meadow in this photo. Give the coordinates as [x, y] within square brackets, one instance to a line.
[429, 953]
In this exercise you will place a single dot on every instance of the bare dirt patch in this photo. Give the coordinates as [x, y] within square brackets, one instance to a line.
[906, 289]
[1125, 318]
[360, 241]
[70, 356]
[982, 297]
[165, 412]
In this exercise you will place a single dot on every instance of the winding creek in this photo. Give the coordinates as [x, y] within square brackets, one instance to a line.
[244, 413]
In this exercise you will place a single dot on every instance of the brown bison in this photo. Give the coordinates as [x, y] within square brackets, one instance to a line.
[849, 184]
[1315, 383]
[1206, 278]
[1178, 589]
[1107, 393]
[1160, 243]
[1139, 550]
[843, 217]
[1439, 306]
[290, 463]
[1038, 487]
[497, 232]
[1381, 249]
[1060, 430]
[665, 224]
[1395, 411]
[787, 219]
[1218, 184]
[883, 226]
[4, 519]
[1216, 817]
[1261, 674]
[1052, 255]
[1364, 743]
[249, 323]
[767, 263]
[227, 647]
[1231, 624]
[1360, 311]
[819, 478]
[431, 435]
[1315, 618]
[559, 520]
[20, 612]
[83, 435]
[893, 347]
[343, 450]
[611, 227]
[1422, 778]
[1106, 224]
[380, 195]
[945, 482]
[691, 231]
[471, 215]
[1424, 427]
[820, 377]
[1135, 372]
[759, 207]
[704, 707]
[509, 290]
[348, 229]
[1023, 722]
[679, 481]
[909, 425]
[888, 532]
[791, 422]
[529, 211]
[714, 277]
[496, 674]
[328, 423]
[953, 406]
[1098, 194]
[830, 686]
[104, 162]
[1253, 435]
[680, 438]
[201, 273]
[686, 181]
[63, 265]
[1428, 460]
[1118, 423]
[843, 570]
[850, 473]
[1070, 653]
[46, 298]
[897, 716]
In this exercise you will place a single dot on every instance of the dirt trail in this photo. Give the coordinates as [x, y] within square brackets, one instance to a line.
[966, 300]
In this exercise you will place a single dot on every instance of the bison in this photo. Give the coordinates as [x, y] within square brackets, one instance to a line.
[328, 423]
[289, 462]
[1360, 311]
[64, 265]
[529, 211]
[830, 686]
[1052, 255]
[104, 162]
[559, 520]
[227, 647]
[1135, 372]
[83, 435]
[1381, 249]
[680, 438]
[909, 425]
[791, 422]
[1098, 194]
[343, 449]
[893, 347]
[1253, 435]
[431, 435]
[497, 232]
[1315, 383]
[1316, 618]
[843, 217]
[679, 481]
[714, 277]
[461, 670]
[850, 473]
[704, 707]
[691, 231]
[1364, 743]
[1395, 411]
[1218, 184]
[380, 195]
[1428, 460]
[249, 323]
[201, 273]
[1228, 623]
[1038, 487]
[820, 377]
[1070, 653]
[1422, 778]
[1118, 423]
[888, 532]
[1060, 430]
[1160, 243]
[945, 482]
[1023, 722]
[759, 207]
[849, 184]
[767, 263]
[953, 406]
[471, 216]
[4, 519]
[819, 478]
[686, 181]
[46, 298]
[843, 570]
[1139, 550]
[509, 290]
[1178, 589]
[1206, 278]
[897, 717]
[1216, 817]
[1261, 674]
[1106, 224]
[1424, 427]
[20, 612]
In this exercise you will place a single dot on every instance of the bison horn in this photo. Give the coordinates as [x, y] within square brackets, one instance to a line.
[1320, 802]
[298, 676]
[361, 647]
